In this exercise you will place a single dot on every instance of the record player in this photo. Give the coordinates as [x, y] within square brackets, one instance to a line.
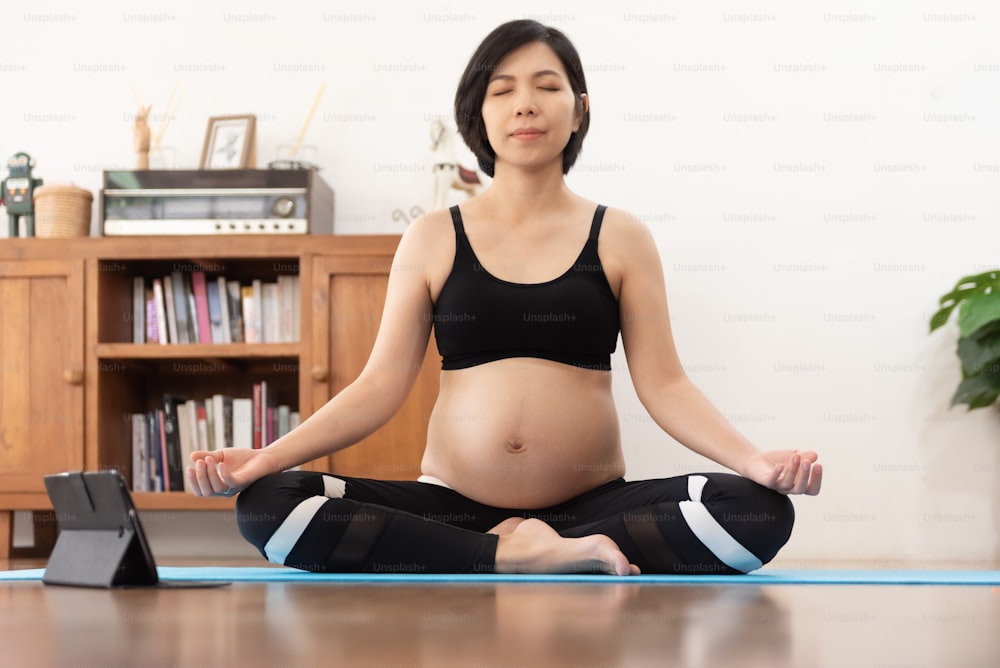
[211, 202]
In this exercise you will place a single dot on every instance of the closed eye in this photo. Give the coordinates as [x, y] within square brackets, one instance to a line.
[505, 91]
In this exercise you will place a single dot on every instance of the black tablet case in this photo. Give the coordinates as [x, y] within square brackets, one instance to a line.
[100, 541]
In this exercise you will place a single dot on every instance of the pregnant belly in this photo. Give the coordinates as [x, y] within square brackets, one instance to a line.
[524, 433]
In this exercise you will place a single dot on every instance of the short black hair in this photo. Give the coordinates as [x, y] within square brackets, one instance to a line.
[472, 86]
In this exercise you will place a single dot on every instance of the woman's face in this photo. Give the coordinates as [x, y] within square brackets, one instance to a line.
[530, 110]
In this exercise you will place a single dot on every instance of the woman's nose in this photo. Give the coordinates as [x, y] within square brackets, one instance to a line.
[524, 104]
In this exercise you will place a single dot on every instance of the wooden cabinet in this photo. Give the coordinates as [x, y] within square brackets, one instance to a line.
[70, 375]
[41, 371]
[348, 296]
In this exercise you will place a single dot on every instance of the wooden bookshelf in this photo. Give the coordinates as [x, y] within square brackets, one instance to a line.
[70, 373]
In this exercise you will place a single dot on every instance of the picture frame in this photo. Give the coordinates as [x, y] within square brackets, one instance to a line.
[230, 143]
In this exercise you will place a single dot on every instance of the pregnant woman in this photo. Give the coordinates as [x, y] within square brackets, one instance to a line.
[526, 287]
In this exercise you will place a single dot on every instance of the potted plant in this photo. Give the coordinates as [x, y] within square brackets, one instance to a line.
[978, 301]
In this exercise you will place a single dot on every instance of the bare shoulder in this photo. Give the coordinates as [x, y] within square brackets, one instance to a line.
[621, 227]
[428, 238]
[428, 246]
[428, 230]
[626, 243]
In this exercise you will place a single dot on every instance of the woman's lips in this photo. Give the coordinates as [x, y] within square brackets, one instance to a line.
[526, 134]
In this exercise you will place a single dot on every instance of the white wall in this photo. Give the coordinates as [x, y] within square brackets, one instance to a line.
[816, 175]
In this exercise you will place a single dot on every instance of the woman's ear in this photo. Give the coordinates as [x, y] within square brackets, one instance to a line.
[583, 106]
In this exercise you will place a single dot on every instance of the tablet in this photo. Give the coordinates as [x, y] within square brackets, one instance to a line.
[101, 542]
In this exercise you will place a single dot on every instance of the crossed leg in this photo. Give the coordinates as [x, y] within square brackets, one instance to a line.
[690, 524]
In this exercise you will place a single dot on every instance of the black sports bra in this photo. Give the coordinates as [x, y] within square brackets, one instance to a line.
[572, 319]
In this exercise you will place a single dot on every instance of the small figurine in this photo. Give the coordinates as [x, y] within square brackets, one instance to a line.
[448, 173]
[17, 192]
[140, 136]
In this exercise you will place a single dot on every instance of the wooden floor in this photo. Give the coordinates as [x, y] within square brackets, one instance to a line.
[503, 625]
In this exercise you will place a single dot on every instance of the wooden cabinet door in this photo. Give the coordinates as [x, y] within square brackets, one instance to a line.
[41, 371]
[348, 294]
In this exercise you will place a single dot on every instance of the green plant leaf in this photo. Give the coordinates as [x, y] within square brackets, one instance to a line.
[991, 277]
[941, 317]
[978, 391]
[986, 331]
[965, 288]
[978, 311]
[978, 299]
[979, 353]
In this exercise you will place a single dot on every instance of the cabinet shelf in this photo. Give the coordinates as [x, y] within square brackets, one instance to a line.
[73, 377]
[142, 500]
[180, 501]
[153, 351]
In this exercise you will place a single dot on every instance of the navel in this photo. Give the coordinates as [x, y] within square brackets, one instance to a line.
[514, 445]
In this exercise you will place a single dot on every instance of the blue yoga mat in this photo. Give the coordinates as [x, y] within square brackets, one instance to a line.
[761, 577]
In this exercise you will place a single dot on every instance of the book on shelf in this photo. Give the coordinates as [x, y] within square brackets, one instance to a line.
[140, 453]
[193, 307]
[162, 475]
[214, 313]
[174, 469]
[177, 309]
[265, 408]
[270, 316]
[164, 438]
[204, 322]
[243, 423]
[222, 297]
[249, 317]
[152, 453]
[161, 311]
[186, 447]
[148, 451]
[194, 330]
[255, 420]
[258, 310]
[235, 305]
[152, 325]
[138, 310]
[201, 425]
[208, 406]
[222, 410]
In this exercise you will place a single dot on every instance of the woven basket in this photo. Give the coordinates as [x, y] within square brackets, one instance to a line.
[62, 211]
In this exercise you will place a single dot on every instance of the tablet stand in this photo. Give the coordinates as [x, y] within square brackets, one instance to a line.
[98, 558]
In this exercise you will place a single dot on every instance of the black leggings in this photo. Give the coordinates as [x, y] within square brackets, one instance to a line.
[694, 524]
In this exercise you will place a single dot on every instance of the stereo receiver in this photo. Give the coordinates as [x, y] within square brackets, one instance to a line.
[223, 201]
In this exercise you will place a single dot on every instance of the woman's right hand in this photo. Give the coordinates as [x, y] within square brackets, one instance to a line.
[228, 471]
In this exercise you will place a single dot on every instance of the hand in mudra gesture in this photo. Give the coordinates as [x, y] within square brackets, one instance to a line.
[786, 471]
[228, 471]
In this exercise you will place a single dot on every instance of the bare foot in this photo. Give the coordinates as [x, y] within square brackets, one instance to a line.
[535, 547]
[507, 526]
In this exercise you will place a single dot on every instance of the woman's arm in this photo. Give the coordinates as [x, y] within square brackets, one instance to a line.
[663, 387]
[392, 368]
[369, 401]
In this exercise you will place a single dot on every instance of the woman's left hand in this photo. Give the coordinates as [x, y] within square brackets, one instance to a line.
[786, 471]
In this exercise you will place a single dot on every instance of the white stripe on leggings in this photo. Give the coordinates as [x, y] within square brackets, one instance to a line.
[712, 534]
[284, 539]
[334, 488]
